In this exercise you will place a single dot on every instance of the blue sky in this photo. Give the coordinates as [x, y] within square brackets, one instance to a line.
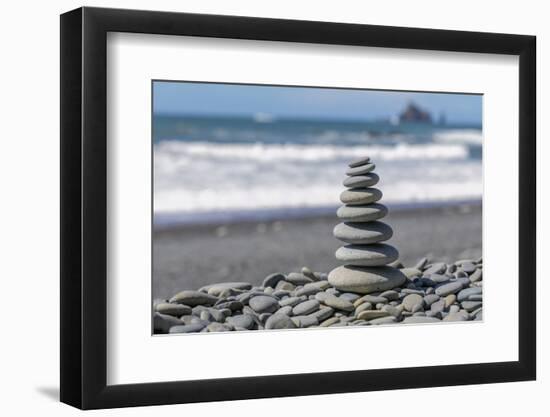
[296, 102]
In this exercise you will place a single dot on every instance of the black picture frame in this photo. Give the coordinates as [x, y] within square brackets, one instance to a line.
[84, 207]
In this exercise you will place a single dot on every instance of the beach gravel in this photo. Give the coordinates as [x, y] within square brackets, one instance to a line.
[371, 296]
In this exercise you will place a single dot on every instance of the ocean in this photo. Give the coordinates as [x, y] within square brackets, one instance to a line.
[212, 169]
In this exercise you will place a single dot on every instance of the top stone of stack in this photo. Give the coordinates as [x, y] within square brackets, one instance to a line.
[365, 258]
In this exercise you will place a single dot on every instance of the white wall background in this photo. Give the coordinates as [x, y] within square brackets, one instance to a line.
[29, 237]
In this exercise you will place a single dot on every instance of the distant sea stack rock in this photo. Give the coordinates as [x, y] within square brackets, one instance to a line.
[365, 257]
[413, 113]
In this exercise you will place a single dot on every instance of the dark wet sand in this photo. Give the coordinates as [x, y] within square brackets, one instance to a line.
[188, 257]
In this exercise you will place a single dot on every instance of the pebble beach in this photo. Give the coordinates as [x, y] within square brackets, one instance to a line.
[372, 287]
[434, 292]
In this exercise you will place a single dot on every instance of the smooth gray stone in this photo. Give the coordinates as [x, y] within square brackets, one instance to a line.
[163, 322]
[361, 170]
[429, 290]
[359, 161]
[206, 316]
[430, 299]
[292, 301]
[285, 286]
[360, 196]
[438, 306]
[417, 309]
[406, 291]
[366, 213]
[219, 327]
[187, 328]
[279, 321]
[285, 310]
[305, 321]
[364, 280]
[263, 304]
[366, 180]
[363, 307]
[411, 300]
[479, 314]
[245, 321]
[193, 298]
[476, 276]
[459, 316]
[323, 314]
[420, 319]
[305, 290]
[394, 311]
[329, 322]
[435, 314]
[454, 309]
[383, 320]
[338, 303]
[218, 315]
[465, 281]
[466, 292]
[264, 316]
[475, 297]
[411, 273]
[374, 299]
[231, 305]
[350, 296]
[306, 307]
[321, 296]
[377, 254]
[363, 233]
[470, 306]
[308, 273]
[297, 278]
[176, 310]
[389, 295]
[372, 314]
[272, 280]
[450, 288]
[421, 264]
[437, 268]
[468, 267]
[460, 274]
[217, 289]
[280, 294]
[439, 278]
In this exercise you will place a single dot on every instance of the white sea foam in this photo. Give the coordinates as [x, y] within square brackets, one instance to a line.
[202, 177]
[466, 136]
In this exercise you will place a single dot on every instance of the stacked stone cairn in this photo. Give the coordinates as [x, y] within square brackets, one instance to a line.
[371, 288]
[365, 257]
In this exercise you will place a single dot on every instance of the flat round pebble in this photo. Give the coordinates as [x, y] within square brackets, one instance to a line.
[273, 279]
[366, 213]
[338, 303]
[279, 321]
[193, 298]
[361, 170]
[411, 300]
[306, 307]
[377, 254]
[171, 309]
[450, 288]
[359, 196]
[263, 304]
[245, 321]
[363, 233]
[364, 280]
[359, 161]
[358, 181]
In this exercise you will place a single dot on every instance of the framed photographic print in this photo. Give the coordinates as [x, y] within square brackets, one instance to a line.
[259, 208]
